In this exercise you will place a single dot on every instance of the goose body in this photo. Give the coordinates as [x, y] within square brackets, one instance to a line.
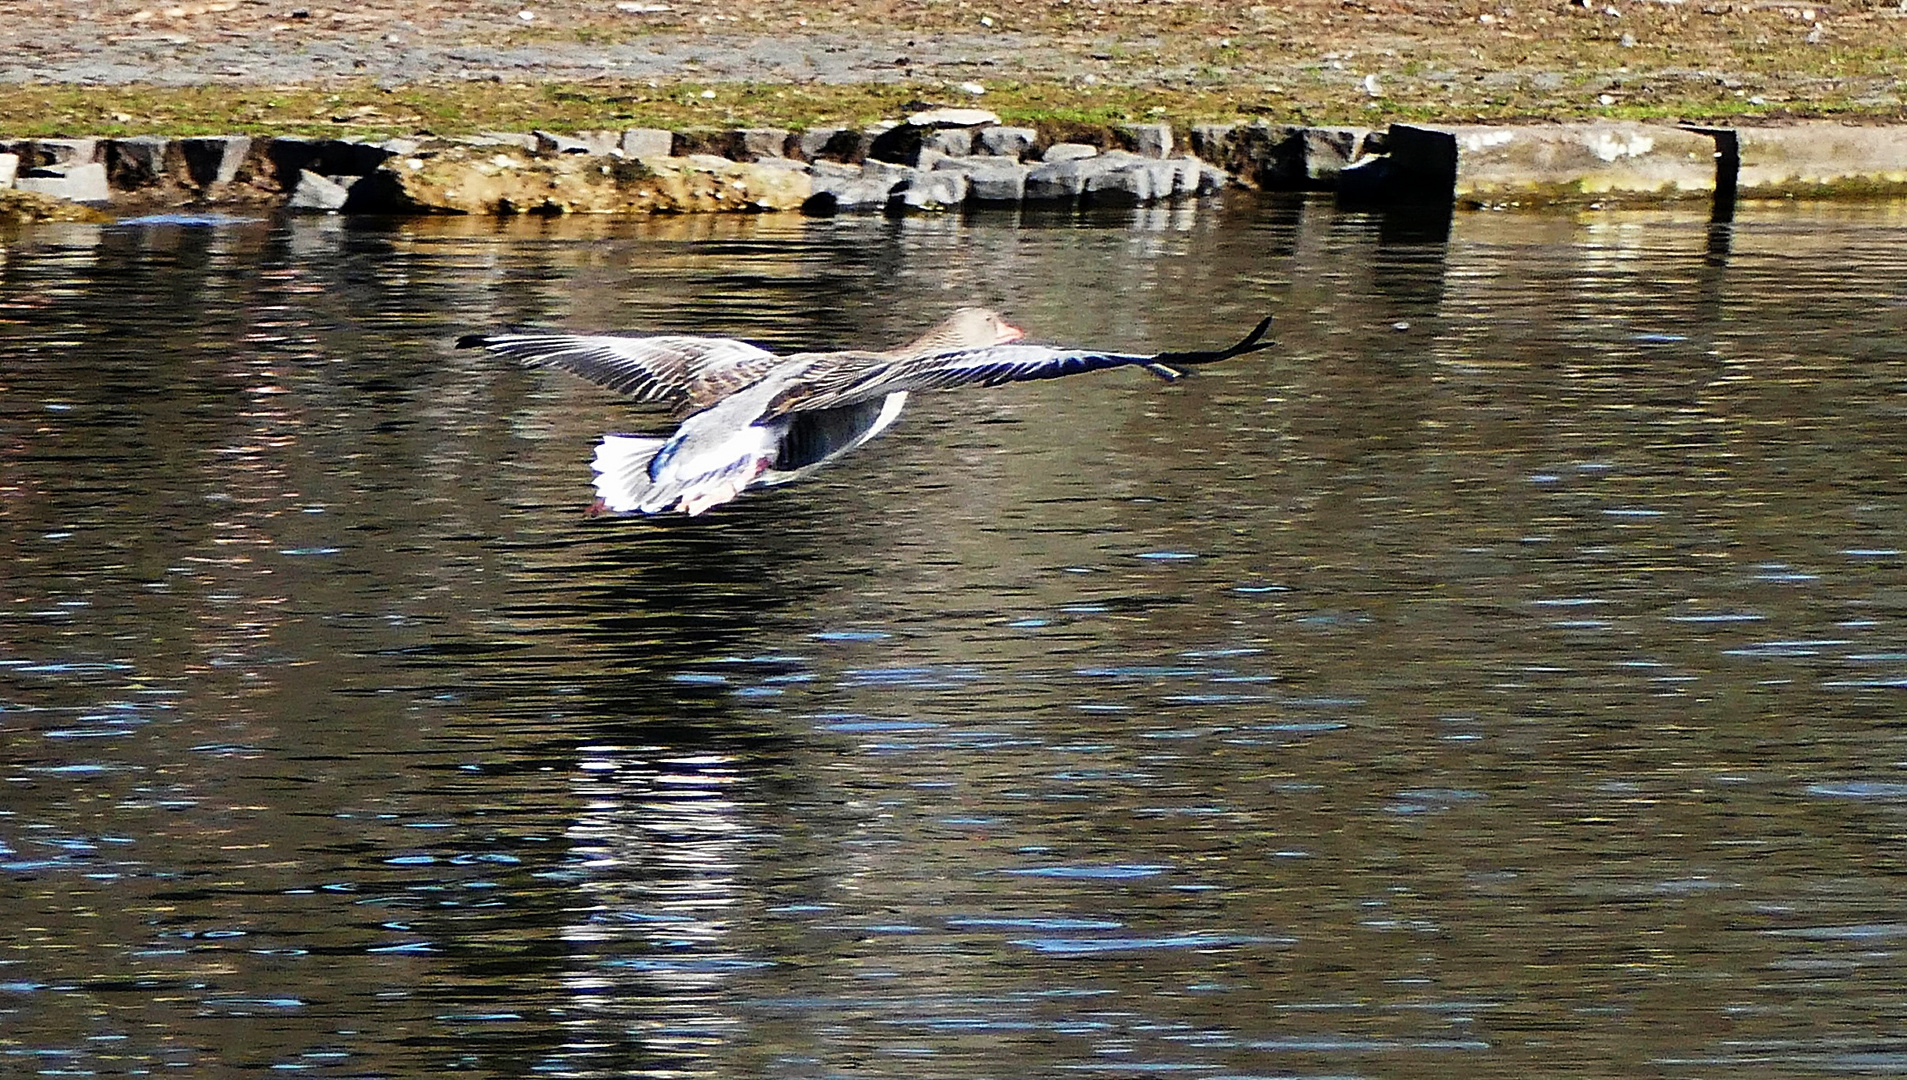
[750, 418]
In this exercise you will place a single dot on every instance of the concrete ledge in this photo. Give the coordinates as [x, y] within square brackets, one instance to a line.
[1582, 162]
[1819, 159]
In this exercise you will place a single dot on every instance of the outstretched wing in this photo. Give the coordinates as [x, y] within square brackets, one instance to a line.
[687, 373]
[830, 386]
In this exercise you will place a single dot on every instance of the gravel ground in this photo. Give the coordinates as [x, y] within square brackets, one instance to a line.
[1460, 59]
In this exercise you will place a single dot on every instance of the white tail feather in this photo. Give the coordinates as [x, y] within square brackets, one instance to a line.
[622, 471]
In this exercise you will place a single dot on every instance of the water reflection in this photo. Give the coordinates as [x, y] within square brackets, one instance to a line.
[1499, 677]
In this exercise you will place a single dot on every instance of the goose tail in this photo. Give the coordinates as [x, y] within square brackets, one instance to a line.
[621, 464]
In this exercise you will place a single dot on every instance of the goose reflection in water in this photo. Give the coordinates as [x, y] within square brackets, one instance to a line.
[658, 849]
[751, 418]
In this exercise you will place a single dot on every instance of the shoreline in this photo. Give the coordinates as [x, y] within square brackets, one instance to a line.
[1578, 102]
[939, 160]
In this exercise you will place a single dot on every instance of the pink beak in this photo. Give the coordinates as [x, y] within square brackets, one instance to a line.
[1009, 332]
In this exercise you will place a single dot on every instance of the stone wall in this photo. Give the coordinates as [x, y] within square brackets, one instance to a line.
[942, 159]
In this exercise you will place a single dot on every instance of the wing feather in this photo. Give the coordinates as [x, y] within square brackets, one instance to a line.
[834, 382]
[684, 372]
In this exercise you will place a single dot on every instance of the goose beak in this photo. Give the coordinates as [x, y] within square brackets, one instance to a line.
[1009, 332]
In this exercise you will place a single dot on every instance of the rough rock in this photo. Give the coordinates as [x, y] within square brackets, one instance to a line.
[989, 179]
[19, 206]
[1821, 158]
[646, 142]
[466, 180]
[320, 194]
[1013, 142]
[80, 183]
[938, 190]
[1149, 140]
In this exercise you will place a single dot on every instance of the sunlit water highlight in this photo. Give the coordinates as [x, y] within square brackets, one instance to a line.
[1502, 677]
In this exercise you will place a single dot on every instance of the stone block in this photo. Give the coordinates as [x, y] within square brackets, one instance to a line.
[326, 157]
[899, 145]
[789, 165]
[9, 168]
[953, 142]
[757, 144]
[548, 142]
[1420, 166]
[35, 153]
[1131, 183]
[318, 194]
[1814, 158]
[1067, 151]
[518, 139]
[1326, 151]
[1149, 140]
[948, 117]
[480, 181]
[1061, 181]
[1269, 156]
[848, 187]
[1188, 177]
[989, 179]
[646, 142]
[137, 162]
[215, 159]
[1013, 142]
[1368, 182]
[887, 172]
[833, 144]
[823, 144]
[722, 144]
[939, 190]
[81, 183]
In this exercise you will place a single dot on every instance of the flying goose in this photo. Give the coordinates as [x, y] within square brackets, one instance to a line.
[750, 418]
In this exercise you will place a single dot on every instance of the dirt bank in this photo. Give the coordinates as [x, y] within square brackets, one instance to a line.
[116, 67]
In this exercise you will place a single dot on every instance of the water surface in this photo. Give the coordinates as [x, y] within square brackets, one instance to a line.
[1501, 677]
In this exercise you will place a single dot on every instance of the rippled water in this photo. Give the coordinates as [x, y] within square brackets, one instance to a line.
[1504, 676]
